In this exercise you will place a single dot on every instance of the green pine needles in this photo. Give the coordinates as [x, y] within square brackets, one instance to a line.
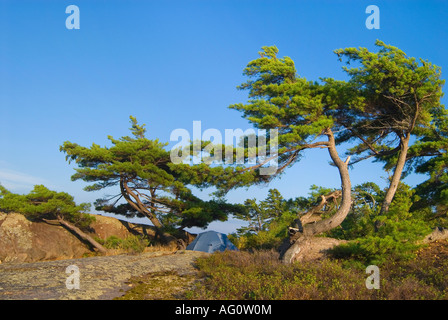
[146, 182]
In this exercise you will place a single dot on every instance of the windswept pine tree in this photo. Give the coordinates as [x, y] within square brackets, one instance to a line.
[387, 99]
[43, 204]
[298, 109]
[398, 98]
[146, 182]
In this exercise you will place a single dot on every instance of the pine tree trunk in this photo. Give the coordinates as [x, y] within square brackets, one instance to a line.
[137, 203]
[82, 234]
[291, 251]
[395, 181]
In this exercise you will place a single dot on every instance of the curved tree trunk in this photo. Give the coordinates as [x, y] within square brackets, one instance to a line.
[137, 203]
[296, 246]
[80, 233]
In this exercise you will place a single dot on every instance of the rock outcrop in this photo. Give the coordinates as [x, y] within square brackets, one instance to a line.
[309, 249]
[24, 241]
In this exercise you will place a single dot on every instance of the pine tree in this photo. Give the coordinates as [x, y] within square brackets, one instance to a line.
[42, 204]
[259, 215]
[299, 110]
[150, 184]
[390, 97]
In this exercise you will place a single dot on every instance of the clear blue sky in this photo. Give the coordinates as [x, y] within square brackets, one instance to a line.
[170, 63]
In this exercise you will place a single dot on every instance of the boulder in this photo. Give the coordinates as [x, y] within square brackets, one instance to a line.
[308, 248]
[104, 227]
[22, 240]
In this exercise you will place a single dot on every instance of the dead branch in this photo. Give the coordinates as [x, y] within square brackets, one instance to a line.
[311, 216]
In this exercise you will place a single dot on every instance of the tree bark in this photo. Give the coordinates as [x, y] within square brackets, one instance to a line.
[398, 171]
[296, 245]
[138, 205]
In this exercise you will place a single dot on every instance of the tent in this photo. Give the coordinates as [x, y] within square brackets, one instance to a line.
[211, 241]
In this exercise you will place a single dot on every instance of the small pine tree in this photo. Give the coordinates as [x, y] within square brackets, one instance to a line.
[268, 221]
[398, 238]
[43, 204]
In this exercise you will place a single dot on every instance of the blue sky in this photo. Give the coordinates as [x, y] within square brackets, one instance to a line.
[170, 63]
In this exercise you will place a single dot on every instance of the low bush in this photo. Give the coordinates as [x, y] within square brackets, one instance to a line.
[261, 276]
[131, 244]
[398, 238]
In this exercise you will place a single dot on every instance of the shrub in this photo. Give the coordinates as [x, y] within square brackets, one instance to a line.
[397, 239]
[260, 275]
[131, 243]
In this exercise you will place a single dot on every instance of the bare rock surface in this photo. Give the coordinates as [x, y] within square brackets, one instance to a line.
[24, 241]
[100, 278]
